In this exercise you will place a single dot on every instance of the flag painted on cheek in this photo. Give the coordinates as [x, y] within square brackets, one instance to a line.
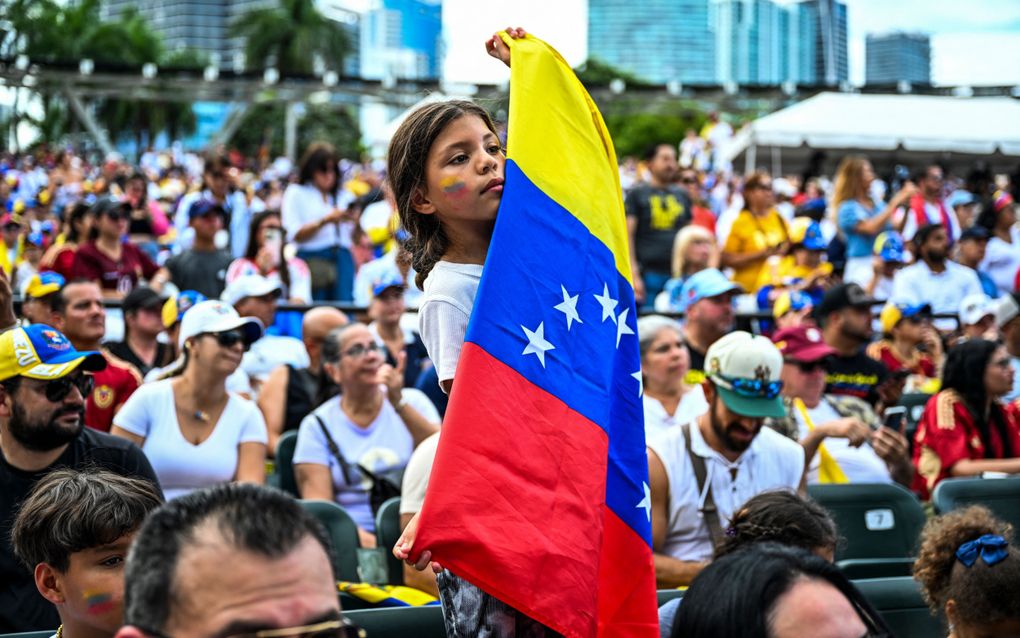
[539, 492]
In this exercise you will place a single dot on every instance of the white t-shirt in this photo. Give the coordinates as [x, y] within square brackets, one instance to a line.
[658, 421]
[1002, 260]
[271, 352]
[416, 475]
[444, 313]
[238, 382]
[182, 466]
[860, 464]
[944, 291]
[384, 445]
[305, 204]
[771, 462]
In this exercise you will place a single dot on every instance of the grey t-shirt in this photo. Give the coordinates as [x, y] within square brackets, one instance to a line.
[660, 213]
[205, 272]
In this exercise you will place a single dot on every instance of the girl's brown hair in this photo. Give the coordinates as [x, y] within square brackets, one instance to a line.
[849, 183]
[984, 594]
[409, 150]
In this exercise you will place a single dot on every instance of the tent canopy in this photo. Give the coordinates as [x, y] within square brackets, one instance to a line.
[889, 129]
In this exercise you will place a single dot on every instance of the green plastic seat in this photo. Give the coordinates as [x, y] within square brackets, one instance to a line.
[914, 403]
[663, 596]
[343, 535]
[1002, 496]
[285, 463]
[876, 520]
[899, 602]
[387, 533]
[858, 568]
[397, 622]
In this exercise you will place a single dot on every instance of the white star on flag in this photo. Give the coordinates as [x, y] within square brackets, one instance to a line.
[537, 345]
[621, 326]
[640, 383]
[568, 307]
[608, 304]
[646, 502]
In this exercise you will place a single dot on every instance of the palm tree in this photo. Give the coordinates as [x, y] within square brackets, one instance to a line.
[293, 33]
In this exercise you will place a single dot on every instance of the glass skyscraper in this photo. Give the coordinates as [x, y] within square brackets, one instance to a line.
[401, 39]
[898, 56]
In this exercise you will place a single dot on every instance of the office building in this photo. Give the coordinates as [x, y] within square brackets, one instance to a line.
[897, 57]
[830, 58]
[749, 41]
[402, 39]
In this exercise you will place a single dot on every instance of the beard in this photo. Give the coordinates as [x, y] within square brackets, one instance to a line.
[935, 256]
[44, 437]
[725, 432]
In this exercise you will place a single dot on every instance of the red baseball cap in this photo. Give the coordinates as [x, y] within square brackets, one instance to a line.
[802, 343]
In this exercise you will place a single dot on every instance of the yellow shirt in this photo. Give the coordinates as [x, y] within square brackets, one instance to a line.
[751, 234]
[779, 271]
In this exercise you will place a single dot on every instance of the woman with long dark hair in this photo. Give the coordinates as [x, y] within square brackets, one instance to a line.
[964, 430]
[265, 254]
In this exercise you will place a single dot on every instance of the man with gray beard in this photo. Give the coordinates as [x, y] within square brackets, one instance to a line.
[43, 385]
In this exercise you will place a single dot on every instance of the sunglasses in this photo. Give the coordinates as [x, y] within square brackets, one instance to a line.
[755, 388]
[360, 350]
[56, 390]
[116, 215]
[228, 339]
[688, 180]
[807, 367]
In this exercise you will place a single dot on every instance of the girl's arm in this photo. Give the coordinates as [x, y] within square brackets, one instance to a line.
[124, 434]
[498, 49]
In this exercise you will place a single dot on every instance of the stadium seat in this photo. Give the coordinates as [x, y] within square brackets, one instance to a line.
[899, 602]
[420, 622]
[914, 403]
[875, 520]
[663, 596]
[387, 532]
[1002, 496]
[857, 568]
[284, 463]
[343, 534]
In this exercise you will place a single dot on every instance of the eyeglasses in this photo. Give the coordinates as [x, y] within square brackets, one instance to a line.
[754, 387]
[116, 215]
[56, 390]
[228, 339]
[806, 367]
[688, 180]
[361, 350]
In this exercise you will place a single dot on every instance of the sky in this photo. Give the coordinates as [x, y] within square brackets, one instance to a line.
[974, 42]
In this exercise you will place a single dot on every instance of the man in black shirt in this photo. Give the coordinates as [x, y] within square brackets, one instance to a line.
[143, 321]
[655, 212]
[845, 317]
[43, 382]
[203, 267]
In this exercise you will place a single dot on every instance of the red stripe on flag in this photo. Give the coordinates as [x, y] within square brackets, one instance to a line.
[516, 498]
[627, 602]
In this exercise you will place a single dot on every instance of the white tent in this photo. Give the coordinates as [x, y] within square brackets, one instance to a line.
[889, 129]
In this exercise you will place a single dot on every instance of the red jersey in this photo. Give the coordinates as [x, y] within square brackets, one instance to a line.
[947, 434]
[111, 388]
[920, 364]
[121, 276]
[61, 261]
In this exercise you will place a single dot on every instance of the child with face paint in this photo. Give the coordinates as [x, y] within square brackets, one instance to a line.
[446, 167]
[73, 531]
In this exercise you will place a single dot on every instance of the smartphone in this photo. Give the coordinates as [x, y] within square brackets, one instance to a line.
[894, 416]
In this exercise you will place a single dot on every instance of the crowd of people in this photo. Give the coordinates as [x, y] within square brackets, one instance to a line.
[148, 362]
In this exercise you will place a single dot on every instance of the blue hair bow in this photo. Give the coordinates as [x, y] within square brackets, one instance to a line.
[990, 547]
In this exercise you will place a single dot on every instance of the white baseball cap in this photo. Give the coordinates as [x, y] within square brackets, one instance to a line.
[745, 370]
[214, 316]
[249, 286]
[1006, 308]
[976, 307]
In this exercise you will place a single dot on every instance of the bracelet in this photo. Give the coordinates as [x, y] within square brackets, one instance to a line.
[400, 404]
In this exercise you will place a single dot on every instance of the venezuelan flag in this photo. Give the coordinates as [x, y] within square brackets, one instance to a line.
[539, 492]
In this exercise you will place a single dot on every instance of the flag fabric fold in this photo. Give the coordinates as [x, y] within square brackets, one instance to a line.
[539, 492]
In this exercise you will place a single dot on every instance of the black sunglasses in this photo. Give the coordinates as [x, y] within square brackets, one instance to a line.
[228, 339]
[56, 390]
[116, 215]
[807, 367]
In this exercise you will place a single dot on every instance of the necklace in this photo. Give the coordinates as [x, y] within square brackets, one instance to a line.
[60, 632]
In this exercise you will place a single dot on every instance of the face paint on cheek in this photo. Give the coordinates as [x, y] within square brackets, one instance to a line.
[452, 186]
[98, 602]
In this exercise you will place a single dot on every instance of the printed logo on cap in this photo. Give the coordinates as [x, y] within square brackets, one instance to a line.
[762, 373]
[54, 340]
[813, 335]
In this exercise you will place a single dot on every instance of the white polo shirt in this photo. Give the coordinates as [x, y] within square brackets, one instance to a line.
[771, 462]
[944, 290]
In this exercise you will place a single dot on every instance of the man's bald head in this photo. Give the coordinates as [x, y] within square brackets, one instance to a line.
[316, 324]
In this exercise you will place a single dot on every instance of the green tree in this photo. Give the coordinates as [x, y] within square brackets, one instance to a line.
[633, 133]
[262, 128]
[293, 32]
[595, 72]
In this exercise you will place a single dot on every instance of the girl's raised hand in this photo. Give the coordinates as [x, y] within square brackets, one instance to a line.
[498, 49]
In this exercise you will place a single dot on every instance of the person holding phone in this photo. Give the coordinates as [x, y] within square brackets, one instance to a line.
[844, 439]
[265, 253]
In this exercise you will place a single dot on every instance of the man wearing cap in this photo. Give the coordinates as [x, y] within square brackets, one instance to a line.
[1007, 318]
[256, 296]
[970, 252]
[43, 382]
[890, 256]
[843, 438]
[933, 278]
[386, 310]
[290, 393]
[707, 298]
[41, 298]
[203, 266]
[977, 318]
[83, 319]
[793, 308]
[143, 321]
[702, 472]
[963, 203]
[910, 346]
[845, 319]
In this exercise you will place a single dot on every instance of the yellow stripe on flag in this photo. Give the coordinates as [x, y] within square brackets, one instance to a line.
[568, 159]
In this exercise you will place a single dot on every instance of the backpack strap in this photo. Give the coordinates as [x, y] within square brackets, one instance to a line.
[708, 510]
